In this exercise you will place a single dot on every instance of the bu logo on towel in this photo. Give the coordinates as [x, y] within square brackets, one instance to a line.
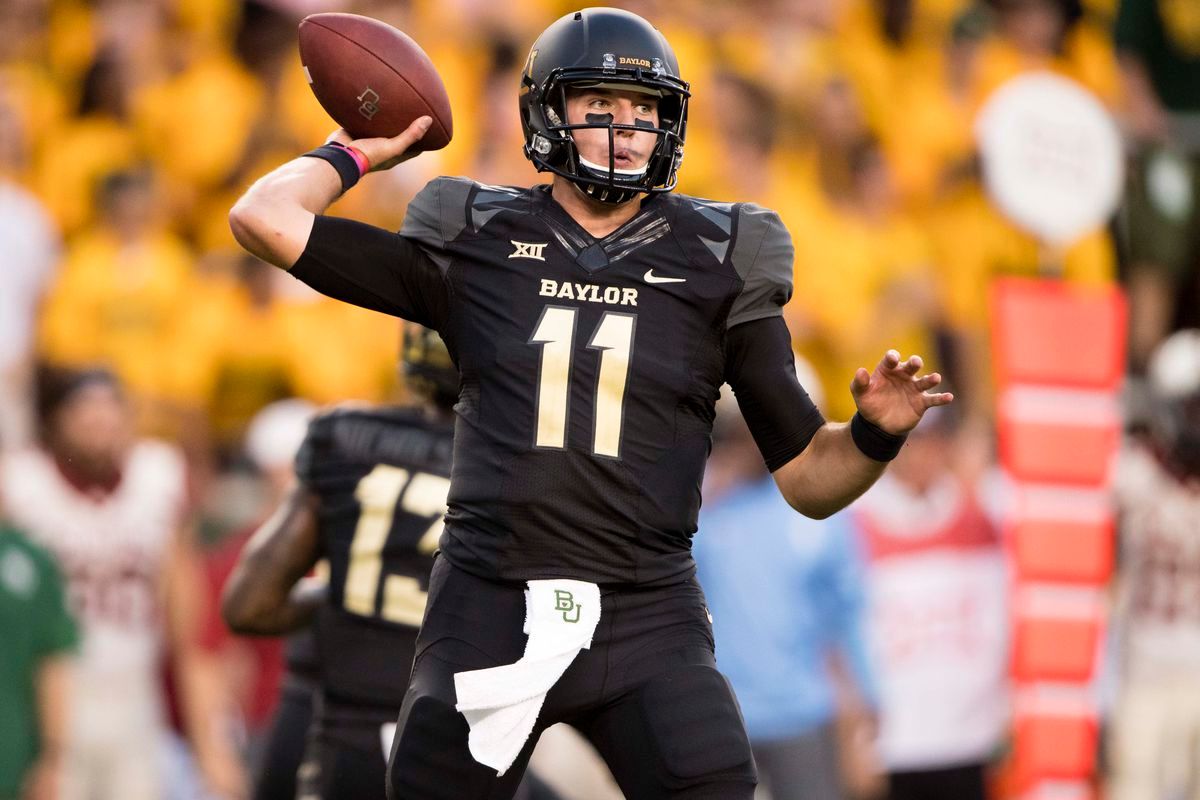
[565, 602]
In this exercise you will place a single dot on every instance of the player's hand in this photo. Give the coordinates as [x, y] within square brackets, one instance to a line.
[384, 153]
[894, 397]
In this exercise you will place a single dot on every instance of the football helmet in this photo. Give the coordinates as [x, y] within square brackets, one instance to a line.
[610, 48]
[429, 371]
[1174, 373]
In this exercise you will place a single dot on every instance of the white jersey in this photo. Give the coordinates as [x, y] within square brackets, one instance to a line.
[937, 622]
[111, 548]
[1160, 556]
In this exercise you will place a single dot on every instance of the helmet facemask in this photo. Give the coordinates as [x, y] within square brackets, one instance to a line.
[552, 146]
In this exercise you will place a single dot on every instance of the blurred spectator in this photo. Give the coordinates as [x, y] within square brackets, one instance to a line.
[1157, 718]
[35, 93]
[98, 140]
[938, 619]
[494, 162]
[28, 254]
[111, 508]
[912, 61]
[863, 271]
[232, 354]
[744, 129]
[124, 289]
[321, 332]
[35, 669]
[1047, 34]
[275, 708]
[973, 243]
[212, 113]
[1159, 46]
[786, 600]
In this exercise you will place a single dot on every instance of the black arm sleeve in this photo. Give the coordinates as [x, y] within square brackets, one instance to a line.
[373, 268]
[760, 367]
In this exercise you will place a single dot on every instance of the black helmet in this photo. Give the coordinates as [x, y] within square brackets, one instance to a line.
[428, 369]
[600, 46]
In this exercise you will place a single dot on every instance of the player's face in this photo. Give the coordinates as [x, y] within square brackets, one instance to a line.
[631, 149]
[94, 424]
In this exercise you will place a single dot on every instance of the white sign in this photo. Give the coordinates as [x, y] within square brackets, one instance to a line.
[1052, 156]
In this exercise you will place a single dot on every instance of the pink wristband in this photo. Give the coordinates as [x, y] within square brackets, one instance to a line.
[364, 166]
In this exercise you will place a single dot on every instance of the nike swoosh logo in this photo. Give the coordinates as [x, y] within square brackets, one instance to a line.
[650, 277]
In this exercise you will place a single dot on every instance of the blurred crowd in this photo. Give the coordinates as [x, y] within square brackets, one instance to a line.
[128, 315]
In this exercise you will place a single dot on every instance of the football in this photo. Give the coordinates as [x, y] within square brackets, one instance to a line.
[373, 79]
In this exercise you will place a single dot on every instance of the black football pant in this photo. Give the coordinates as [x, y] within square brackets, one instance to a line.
[275, 777]
[647, 694]
[346, 757]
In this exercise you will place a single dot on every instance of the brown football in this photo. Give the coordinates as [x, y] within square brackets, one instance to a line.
[373, 79]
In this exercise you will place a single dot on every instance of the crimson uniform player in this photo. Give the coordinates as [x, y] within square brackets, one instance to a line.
[112, 508]
[592, 321]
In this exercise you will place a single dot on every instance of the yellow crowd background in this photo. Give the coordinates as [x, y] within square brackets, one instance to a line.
[136, 123]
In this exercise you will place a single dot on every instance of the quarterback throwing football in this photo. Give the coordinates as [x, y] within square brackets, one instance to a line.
[593, 321]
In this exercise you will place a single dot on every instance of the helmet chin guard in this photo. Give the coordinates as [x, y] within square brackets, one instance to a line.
[609, 48]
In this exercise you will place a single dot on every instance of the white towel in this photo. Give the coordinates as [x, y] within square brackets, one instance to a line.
[501, 704]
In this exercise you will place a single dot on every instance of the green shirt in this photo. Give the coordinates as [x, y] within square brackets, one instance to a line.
[1165, 36]
[34, 625]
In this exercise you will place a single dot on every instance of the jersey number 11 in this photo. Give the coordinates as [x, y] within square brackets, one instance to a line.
[613, 337]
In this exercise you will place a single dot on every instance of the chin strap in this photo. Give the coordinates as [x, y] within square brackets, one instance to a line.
[614, 195]
[602, 172]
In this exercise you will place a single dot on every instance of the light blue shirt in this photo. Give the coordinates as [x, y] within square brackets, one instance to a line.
[784, 592]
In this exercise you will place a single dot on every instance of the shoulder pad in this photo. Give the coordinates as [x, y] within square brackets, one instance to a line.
[762, 256]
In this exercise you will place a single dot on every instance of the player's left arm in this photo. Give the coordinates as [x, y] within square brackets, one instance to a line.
[820, 467]
[844, 459]
[266, 595]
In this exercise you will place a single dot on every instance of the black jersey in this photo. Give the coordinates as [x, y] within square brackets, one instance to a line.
[380, 476]
[589, 367]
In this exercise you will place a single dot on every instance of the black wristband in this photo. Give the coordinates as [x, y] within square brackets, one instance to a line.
[874, 442]
[342, 161]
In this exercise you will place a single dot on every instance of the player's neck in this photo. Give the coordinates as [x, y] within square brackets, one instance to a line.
[598, 219]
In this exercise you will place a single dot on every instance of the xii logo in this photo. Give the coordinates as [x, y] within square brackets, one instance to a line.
[528, 250]
[370, 103]
[565, 602]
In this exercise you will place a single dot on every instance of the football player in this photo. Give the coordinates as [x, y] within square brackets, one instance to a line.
[112, 507]
[1157, 491]
[593, 321]
[370, 499]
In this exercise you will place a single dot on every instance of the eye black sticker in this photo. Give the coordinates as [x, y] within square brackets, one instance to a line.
[598, 119]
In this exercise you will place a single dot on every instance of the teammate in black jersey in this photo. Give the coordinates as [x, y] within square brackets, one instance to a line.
[371, 493]
[593, 321]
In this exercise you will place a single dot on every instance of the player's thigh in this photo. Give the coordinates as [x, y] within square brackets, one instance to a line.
[469, 624]
[678, 734]
[430, 758]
